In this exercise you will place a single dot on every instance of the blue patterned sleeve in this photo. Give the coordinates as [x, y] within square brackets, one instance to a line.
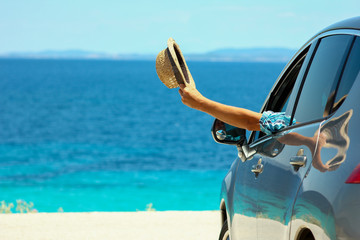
[273, 122]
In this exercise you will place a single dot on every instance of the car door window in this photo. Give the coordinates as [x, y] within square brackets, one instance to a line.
[279, 98]
[349, 75]
[322, 78]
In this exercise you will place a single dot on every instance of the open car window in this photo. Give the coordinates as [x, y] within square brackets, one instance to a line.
[279, 99]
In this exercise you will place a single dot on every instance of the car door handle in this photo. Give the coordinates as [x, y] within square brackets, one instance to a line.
[257, 168]
[299, 160]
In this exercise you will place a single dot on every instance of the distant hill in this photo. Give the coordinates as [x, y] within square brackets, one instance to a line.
[247, 55]
[73, 54]
[228, 54]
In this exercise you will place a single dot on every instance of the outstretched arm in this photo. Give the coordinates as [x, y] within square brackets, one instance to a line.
[238, 117]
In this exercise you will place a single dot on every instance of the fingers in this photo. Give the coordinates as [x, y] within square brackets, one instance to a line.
[182, 90]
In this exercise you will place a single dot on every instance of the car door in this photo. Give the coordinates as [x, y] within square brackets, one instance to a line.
[245, 197]
[243, 223]
[286, 157]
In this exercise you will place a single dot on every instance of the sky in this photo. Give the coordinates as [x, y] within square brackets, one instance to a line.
[143, 27]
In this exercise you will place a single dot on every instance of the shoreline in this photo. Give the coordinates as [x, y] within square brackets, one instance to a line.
[150, 225]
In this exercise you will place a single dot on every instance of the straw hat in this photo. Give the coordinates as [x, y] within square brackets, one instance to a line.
[171, 66]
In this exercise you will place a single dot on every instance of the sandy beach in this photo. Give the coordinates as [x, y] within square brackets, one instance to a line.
[153, 225]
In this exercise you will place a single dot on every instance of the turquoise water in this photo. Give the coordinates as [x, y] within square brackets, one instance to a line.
[109, 136]
[124, 191]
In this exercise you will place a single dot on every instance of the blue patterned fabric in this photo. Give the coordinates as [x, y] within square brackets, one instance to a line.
[273, 122]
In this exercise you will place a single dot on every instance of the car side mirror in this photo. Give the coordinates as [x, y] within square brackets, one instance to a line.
[227, 134]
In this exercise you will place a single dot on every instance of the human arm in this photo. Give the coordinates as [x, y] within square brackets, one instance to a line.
[235, 116]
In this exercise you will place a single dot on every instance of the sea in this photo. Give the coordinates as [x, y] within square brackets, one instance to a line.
[107, 135]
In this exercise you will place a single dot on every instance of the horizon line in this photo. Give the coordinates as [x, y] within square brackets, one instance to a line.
[78, 50]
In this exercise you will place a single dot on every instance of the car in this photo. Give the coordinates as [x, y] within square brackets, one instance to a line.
[301, 183]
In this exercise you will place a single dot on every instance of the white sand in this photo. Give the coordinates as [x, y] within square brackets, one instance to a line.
[158, 225]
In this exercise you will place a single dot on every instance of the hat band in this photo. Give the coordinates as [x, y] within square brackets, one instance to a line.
[176, 71]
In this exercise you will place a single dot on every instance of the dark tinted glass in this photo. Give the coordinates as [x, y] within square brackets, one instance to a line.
[322, 77]
[351, 71]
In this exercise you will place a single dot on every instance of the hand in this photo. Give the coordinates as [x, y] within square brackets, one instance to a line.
[191, 97]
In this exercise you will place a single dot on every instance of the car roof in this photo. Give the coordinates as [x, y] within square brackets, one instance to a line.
[351, 23]
[347, 24]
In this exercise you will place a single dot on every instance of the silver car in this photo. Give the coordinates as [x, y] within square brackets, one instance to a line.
[301, 183]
